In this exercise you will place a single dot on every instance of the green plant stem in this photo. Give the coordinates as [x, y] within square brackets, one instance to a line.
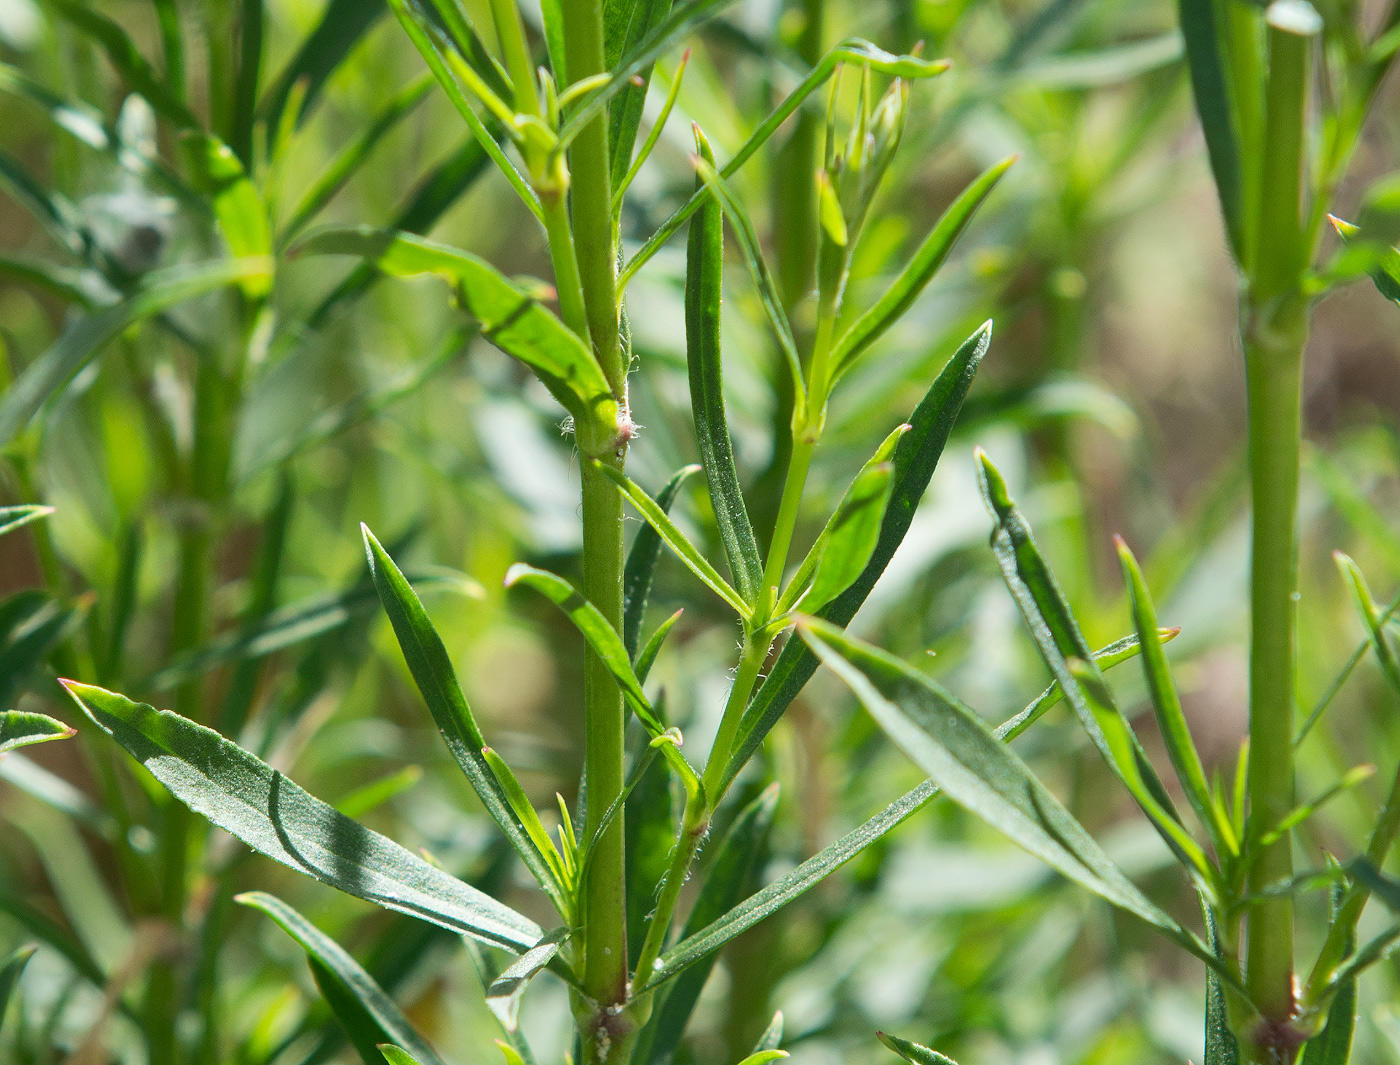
[1275, 334]
[567, 282]
[607, 1034]
[754, 654]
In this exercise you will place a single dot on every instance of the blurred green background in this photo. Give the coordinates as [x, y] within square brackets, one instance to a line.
[1113, 397]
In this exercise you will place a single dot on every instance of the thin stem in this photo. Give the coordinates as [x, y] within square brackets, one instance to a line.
[606, 1033]
[751, 660]
[695, 824]
[1276, 330]
[510, 32]
[567, 282]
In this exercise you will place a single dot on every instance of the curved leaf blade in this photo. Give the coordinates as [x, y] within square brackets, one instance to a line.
[250, 800]
[432, 671]
[898, 298]
[368, 1015]
[510, 316]
[20, 728]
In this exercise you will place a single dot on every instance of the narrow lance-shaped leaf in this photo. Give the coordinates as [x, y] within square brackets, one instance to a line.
[250, 800]
[914, 1053]
[397, 1055]
[626, 24]
[845, 545]
[915, 457]
[1106, 657]
[1064, 650]
[504, 993]
[950, 742]
[1212, 94]
[368, 1015]
[1171, 720]
[19, 728]
[1220, 1045]
[753, 255]
[898, 298]
[462, 84]
[675, 539]
[432, 671]
[604, 642]
[641, 564]
[703, 275]
[510, 317]
[647, 656]
[1371, 616]
[87, 335]
[784, 890]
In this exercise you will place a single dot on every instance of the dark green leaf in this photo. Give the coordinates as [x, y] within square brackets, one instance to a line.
[625, 24]
[915, 458]
[86, 336]
[432, 671]
[898, 298]
[703, 275]
[1332, 1045]
[1205, 59]
[641, 564]
[510, 316]
[250, 800]
[368, 1015]
[20, 729]
[1221, 1048]
[753, 255]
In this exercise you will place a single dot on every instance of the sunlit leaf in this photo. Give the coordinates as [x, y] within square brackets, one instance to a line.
[250, 800]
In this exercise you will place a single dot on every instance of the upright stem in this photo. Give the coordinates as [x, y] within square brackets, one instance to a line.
[607, 1034]
[1275, 334]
